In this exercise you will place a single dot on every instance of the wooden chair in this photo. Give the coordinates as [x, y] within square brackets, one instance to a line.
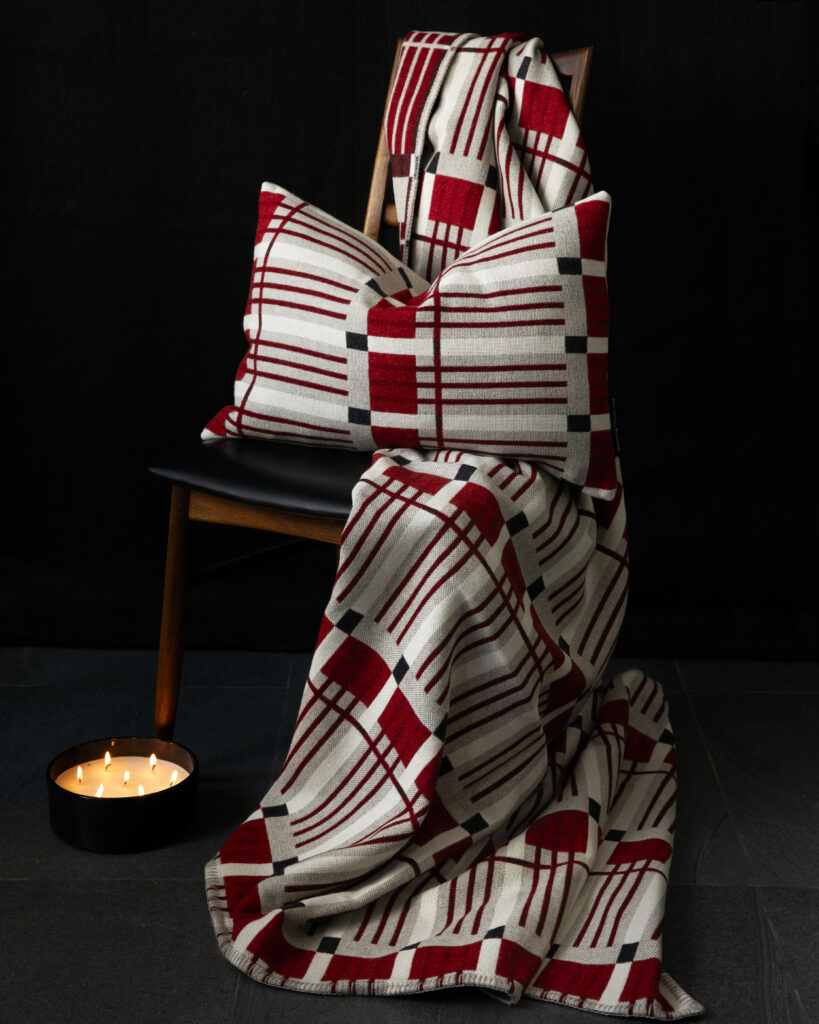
[287, 489]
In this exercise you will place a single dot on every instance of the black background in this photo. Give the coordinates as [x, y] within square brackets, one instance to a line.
[138, 136]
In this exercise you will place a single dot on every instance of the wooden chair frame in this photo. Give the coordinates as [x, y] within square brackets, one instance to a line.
[189, 504]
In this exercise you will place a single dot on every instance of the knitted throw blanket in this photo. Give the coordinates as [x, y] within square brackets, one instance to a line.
[465, 801]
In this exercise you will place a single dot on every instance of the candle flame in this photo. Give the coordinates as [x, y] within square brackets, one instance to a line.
[79, 773]
[141, 790]
[174, 777]
[99, 791]
[152, 760]
[125, 777]
[107, 759]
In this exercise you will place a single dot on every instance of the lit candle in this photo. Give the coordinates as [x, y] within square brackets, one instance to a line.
[89, 786]
[151, 774]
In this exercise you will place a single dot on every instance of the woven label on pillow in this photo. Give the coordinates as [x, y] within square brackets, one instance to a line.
[505, 353]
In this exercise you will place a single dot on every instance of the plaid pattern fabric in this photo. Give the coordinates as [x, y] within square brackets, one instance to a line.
[505, 354]
[498, 145]
[465, 802]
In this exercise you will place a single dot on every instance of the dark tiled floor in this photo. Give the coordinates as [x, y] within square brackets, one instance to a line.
[126, 939]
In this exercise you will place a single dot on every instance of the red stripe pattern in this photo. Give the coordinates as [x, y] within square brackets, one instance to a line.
[481, 136]
[465, 801]
[504, 354]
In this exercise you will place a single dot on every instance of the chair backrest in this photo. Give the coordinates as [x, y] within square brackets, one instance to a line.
[573, 66]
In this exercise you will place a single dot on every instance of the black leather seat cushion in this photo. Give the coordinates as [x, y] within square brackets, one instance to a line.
[293, 478]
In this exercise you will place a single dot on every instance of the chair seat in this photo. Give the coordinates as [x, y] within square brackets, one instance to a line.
[291, 478]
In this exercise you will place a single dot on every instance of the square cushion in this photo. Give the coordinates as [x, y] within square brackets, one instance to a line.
[505, 353]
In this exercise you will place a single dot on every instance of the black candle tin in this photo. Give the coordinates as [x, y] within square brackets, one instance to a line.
[128, 824]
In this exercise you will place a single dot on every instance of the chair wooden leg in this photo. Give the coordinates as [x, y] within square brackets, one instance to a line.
[174, 614]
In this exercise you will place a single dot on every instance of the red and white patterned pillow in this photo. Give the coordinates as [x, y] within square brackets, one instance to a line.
[505, 353]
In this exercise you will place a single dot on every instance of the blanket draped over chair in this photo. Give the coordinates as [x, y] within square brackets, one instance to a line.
[465, 800]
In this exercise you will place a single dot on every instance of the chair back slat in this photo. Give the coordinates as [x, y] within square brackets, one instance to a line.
[381, 168]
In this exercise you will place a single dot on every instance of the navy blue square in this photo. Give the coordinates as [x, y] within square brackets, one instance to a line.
[277, 811]
[524, 67]
[569, 265]
[627, 952]
[577, 343]
[563, 644]
[464, 472]
[578, 424]
[358, 341]
[594, 809]
[375, 287]
[614, 835]
[553, 949]
[280, 865]
[358, 416]
[667, 736]
[329, 944]
[536, 588]
[432, 166]
[495, 933]
[400, 670]
[402, 460]
[440, 732]
[516, 524]
[474, 824]
[492, 177]
[446, 766]
[349, 620]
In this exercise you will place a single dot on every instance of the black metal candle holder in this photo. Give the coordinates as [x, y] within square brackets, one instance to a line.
[126, 824]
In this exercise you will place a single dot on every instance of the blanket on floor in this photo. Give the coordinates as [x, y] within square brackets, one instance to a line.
[465, 800]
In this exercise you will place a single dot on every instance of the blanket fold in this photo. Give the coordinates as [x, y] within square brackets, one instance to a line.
[465, 801]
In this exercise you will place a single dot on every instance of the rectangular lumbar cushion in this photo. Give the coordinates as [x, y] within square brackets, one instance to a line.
[505, 353]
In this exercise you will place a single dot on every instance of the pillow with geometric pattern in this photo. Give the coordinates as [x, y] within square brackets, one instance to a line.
[505, 353]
